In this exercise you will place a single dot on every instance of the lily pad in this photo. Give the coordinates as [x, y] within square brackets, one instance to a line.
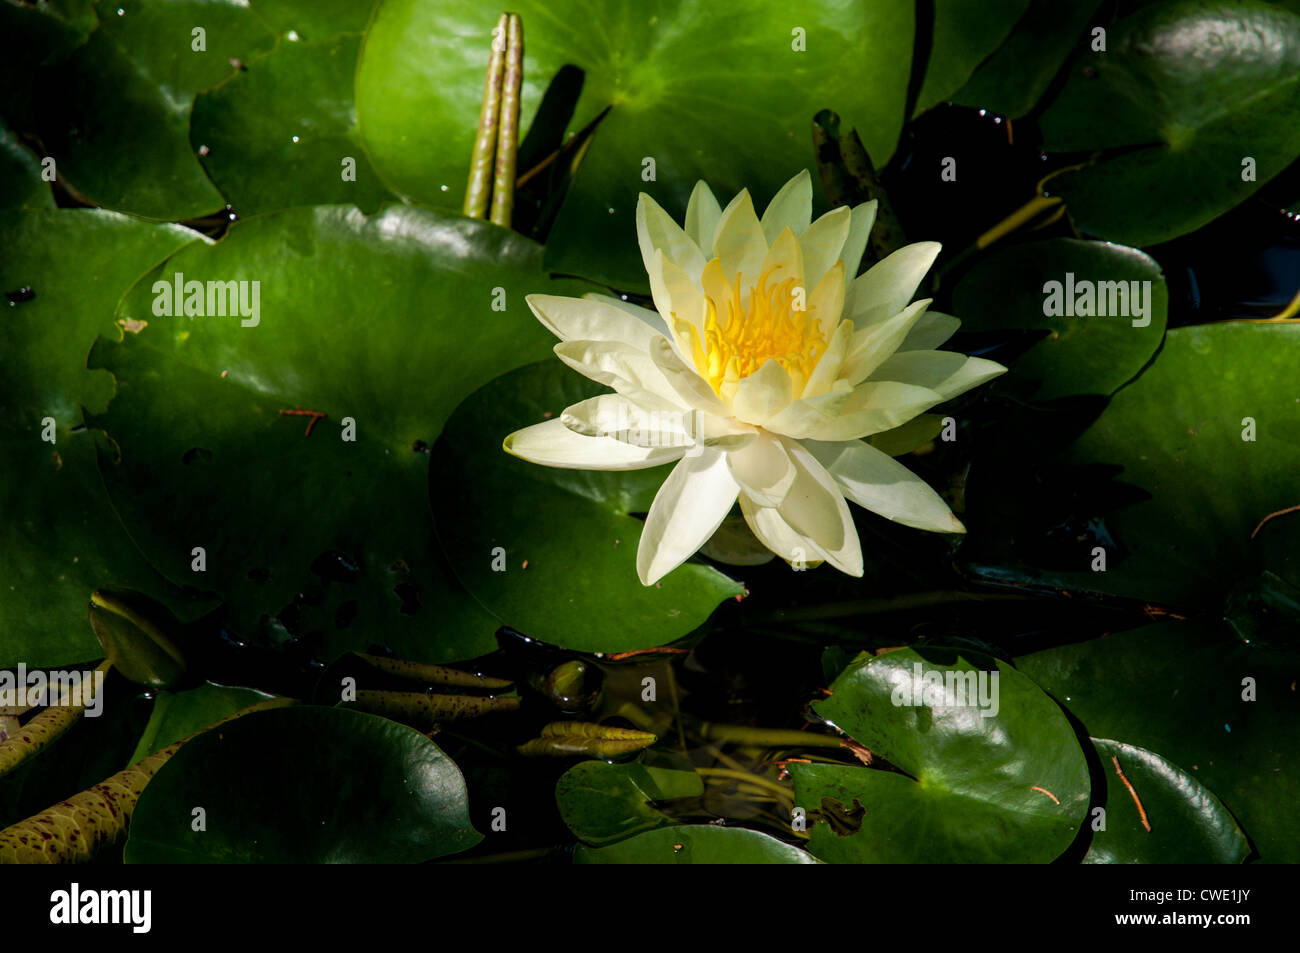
[1015, 77]
[708, 90]
[964, 35]
[1188, 824]
[116, 114]
[566, 569]
[1176, 688]
[1095, 352]
[60, 531]
[179, 714]
[20, 175]
[1185, 93]
[1205, 438]
[284, 132]
[695, 844]
[304, 785]
[989, 771]
[382, 323]
[603, 803]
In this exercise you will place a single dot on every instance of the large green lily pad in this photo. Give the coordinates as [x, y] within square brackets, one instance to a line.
[304, 785]
[964, 35]
[1176, 689]
[990, 775]
[1184, 93]
[382, 323]
[708, 90]
[60, 533]
[1083, 353]
[579, 588]
[1175, 435]
[1189, 825]
[695, 844]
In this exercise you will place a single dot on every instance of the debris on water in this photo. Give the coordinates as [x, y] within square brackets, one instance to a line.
[20, 296]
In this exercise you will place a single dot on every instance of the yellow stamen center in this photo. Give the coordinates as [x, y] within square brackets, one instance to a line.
[739, 340]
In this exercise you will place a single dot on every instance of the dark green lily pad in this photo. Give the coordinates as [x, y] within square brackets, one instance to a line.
[386, 322]
[964, 35]
[709, 90]
[60, 530]
[603, 803]
[1189, 825]
[695, 844]
[572, 527]
[982, 784]
[1176, 688]
[1184, 93]
[1090, 354]
[304, 785]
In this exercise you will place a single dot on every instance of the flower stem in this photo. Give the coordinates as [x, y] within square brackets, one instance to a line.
[503, 188]
[480, 166]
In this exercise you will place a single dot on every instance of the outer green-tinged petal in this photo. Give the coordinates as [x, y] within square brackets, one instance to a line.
[876, 481]
[690, 505]
[628, 370]
[823, 243]
[763, 470]
[740, 244]
[656, 230]
[790, 208]
[873, 345]
[887, 287]
[552, 444]
[763, 394]
[777, 535]
[611, 415]
[944, 372]
[591, 319]
[702, 214]
[874, 407]
[690, 387]
[864, 217]
[674, 291]
[815, 507]
[930, 332]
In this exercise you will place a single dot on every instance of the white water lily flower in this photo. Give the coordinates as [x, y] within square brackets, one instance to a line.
[763, 370]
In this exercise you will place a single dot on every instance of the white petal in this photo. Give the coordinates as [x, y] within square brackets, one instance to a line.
[552, 444]
[827, 299]
[930, 332]
[628, 370]
[689, 507]
[874, 407]
[827, 370]
[945, 372]
[689, 387]
[864, 217]
[610, 415]
[823, 242]
[763, 394]
[740, 244]
[590, 319]
[888, 286]
[763, 470]
[777, 535]
[790, 208]
[877, 482]
[873, 345]
[675, 293]
[815, 507]
[656, 230]
[807, 415]
[702, 214]
[649, 316]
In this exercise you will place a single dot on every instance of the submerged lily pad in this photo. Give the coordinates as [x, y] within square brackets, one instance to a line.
[603, 803]
[176, 715]
[989, 769]
[304, 785]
